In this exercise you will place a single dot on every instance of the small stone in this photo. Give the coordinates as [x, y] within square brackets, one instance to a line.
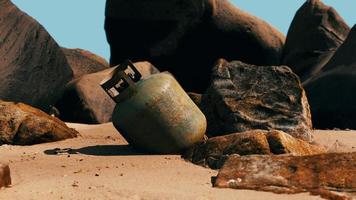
[75, 184]
[79, 171]
[5, 176]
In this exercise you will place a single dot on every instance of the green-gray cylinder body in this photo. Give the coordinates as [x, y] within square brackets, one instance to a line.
[157, 115]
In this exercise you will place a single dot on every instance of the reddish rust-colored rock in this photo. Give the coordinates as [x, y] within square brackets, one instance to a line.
[290, 174]
[84, 62]
[245, 97]
[21, 124]
[186, 37]
[332, 94]
[84, 101]
[315, 34]
[216, 150]
[33, 67]
[5, 176]
[282, 143]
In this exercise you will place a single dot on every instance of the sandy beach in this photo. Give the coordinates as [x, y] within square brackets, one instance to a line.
[100, 165]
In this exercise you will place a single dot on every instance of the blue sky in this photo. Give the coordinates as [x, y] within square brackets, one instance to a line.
[80, 23]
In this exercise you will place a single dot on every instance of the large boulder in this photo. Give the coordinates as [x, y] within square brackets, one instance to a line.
[216, 150]
[185, 37]
[21, 124]
[33, 67]
[315, 34]
[290, 174]
[332, 94]
[5, 176]
[245, 97]
[84, 101]
[84, 62]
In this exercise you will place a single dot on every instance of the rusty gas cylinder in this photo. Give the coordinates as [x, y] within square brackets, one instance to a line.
[153, 114]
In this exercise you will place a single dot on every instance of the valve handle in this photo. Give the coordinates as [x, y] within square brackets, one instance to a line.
[122, 77]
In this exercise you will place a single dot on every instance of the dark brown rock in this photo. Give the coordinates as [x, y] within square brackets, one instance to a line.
[332, 94]
[315, 34]
[33, 67]
[84, 101]
[186, 37]
[245, 97]
[216, 150]
[84, 62]
[290, 174]
[5, 176]
[21, 124]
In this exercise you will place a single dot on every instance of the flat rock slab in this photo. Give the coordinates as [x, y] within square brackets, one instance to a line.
[290, 174]
[216, 150]
[21, 124]
[5, 177]
[244, 97]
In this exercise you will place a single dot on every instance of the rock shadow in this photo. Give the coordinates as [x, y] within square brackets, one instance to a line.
[98, 150]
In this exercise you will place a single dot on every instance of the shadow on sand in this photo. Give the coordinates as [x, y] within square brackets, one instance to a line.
[98, 150]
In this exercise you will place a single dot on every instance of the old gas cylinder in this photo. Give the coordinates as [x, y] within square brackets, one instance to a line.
[153, 114]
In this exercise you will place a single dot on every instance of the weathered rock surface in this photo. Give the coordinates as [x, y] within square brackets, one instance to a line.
[84, 62]
[282, 143]
[315, 34]
[216, 150]
[186, 37]
[5, 176]
[332, 94]
[245, 97]
[21, 124]
[84, 101]
[33, 67]
[290, 174]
